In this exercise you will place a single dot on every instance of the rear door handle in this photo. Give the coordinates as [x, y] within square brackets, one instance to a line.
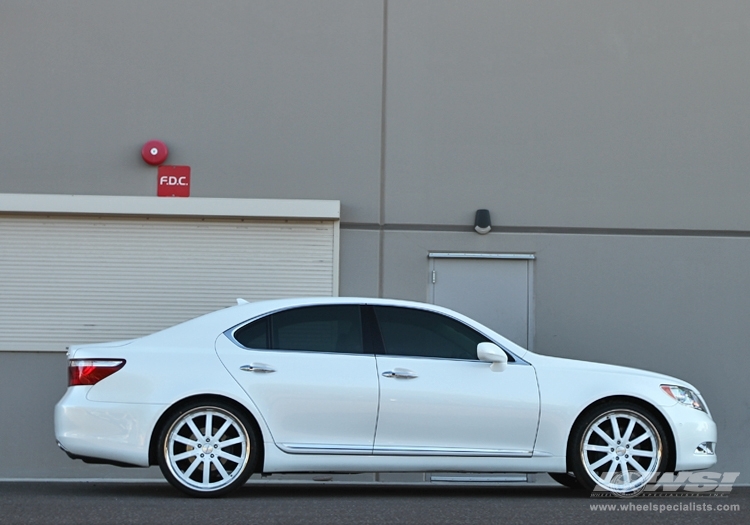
[257, 367]
[400, 373]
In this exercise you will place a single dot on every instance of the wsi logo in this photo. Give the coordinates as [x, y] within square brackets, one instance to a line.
[681, 484]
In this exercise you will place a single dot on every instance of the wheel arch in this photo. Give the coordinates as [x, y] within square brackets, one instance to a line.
[649, 407]
[153, 443]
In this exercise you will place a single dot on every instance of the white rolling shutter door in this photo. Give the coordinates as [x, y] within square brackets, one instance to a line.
[67, 280]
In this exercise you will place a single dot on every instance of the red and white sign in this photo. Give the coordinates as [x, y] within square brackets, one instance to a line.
[173, 181]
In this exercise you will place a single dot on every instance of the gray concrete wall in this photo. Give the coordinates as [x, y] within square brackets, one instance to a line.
[624, 114]
[262, 99]
[606, 138]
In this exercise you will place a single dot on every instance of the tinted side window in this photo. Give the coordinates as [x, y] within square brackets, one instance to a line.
[420, 333]
[336, 328]
[254, 335]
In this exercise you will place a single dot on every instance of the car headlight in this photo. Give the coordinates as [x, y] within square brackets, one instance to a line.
[684, 396]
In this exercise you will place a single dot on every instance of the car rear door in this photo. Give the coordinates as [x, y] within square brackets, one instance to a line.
[306, 371]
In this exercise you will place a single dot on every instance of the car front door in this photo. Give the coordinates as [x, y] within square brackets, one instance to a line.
[437, 398]
[306, 371]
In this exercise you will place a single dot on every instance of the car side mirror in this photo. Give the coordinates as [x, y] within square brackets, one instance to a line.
[494, 354]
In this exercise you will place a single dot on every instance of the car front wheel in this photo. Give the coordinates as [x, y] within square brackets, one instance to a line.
[207, 449]
[618, 446]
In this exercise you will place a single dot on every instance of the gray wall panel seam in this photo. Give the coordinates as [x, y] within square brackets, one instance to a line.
[643, 232]
[381, 217]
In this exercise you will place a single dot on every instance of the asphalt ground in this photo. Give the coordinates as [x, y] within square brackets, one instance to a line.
[102, 503]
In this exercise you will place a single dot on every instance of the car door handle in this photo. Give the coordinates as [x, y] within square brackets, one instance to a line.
[400, 373]
[257, 367]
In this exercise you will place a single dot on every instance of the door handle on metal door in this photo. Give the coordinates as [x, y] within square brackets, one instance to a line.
[400, 373]
[257, 367]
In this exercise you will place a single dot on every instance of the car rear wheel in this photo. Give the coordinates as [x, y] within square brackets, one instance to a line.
[618, 446]
[207, 449]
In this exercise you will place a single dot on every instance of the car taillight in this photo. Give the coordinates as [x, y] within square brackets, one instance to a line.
[91, 371]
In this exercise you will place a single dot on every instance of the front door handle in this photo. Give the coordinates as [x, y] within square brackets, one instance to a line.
[400, 373]
[257, 367]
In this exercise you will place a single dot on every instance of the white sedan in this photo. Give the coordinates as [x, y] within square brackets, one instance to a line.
[369, 385]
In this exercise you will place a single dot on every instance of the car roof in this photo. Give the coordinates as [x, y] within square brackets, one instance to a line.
[203, 330]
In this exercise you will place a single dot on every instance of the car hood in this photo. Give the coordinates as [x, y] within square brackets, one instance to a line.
[572, 366]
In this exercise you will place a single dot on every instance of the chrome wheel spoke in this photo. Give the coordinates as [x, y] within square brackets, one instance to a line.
[643, 453]
[611, 472]
[208, 434]
[603, 435]
[637, 466]
[206, 471]
[222, 430]
[220, 468]
[601, 462]
[640, 439]
[226, 455]
[230, 442]
[625, 473]
[192, 467]
[629, 430]
[185, 441]
[194, 429]
[615, 428]
[597, 448]
[185, 455]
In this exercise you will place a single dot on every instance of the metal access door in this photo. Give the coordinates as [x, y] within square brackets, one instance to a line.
[494, 289]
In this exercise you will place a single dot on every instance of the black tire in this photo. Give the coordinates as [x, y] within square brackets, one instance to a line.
[618, 446]
[566, 479]
[207, 464]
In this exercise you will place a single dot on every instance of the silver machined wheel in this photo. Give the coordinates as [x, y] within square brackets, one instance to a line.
[621, 450]
[206, 449]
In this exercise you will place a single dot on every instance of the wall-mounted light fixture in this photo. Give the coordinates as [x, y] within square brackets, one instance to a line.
[482, 224]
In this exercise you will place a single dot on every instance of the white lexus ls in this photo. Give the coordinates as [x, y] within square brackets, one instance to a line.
[369, 385]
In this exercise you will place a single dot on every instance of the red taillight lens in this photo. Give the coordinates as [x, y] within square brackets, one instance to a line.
[91, 371]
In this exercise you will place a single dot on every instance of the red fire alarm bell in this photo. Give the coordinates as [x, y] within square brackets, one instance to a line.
[173, 181]
[154, 152]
